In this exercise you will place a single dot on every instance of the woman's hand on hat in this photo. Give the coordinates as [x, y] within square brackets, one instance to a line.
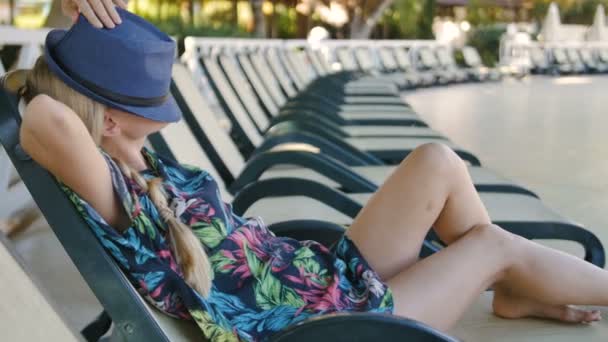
[100, 13]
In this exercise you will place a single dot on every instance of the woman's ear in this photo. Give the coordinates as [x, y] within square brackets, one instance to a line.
[110, 125]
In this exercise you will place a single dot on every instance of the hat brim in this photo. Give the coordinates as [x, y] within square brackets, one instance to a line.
[166, 112]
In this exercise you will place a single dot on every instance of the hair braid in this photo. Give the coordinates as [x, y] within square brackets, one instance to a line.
[186, 247]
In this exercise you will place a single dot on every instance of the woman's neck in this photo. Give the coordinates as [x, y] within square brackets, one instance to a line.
[126, 150]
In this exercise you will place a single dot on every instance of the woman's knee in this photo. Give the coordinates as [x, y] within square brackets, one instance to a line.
[438, 157]
[495, 239]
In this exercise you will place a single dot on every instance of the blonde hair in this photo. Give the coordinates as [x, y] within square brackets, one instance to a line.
[186, 248]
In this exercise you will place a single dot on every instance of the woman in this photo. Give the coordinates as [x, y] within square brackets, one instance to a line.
[95, 96]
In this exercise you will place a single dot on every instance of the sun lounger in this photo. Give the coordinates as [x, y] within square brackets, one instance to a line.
[133, 319]
[387, 149]
[473, 60]
[276, 114]
[447, 63]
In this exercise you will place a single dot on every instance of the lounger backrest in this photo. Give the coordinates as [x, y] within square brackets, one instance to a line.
[316, 63]
[272, 59]
[387, 59]
[245, 92]
[297, 67]
[428, 58]
[603, 54]
[444, 57]
[560, 56]
[347, 60]
[403, 58]
[365, 59]
[231, 100]
[12, 188]
[573, 55]
[133, 318]
[267, 76]
[323, 60]
[307, 65]
[277, 63]
[219, 147]
[538, 57]
[185, 149]
[257, 83]
[28, 54]
[587, 56]
[471, 56]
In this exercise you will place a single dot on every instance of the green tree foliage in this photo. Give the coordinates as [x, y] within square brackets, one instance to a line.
[572, 11]
[171, 18]
[486, 39]
[478, 13]
[410, 19]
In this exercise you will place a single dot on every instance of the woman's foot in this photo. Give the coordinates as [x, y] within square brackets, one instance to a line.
[509, 306]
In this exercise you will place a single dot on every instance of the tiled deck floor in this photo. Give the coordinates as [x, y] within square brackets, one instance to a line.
[547, 135]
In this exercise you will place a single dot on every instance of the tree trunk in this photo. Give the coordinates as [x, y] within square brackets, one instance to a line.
[259, 22]
[356, 18]
[362, 28]
[274, 27]
[235, 13]
[56, 18]
[11, 12]
[191, 10]
[301, 25]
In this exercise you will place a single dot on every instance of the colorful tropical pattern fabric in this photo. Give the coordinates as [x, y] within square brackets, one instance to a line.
[262, 283]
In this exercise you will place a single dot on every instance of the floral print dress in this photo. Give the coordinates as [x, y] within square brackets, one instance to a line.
[262, 283]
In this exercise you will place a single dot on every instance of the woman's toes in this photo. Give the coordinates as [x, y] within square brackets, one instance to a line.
[570, 314]
[593, 316]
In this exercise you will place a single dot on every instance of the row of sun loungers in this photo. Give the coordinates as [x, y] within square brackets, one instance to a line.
[570, 60]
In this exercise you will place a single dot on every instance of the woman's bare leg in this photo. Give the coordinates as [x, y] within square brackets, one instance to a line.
[438, 289]
[431, 188]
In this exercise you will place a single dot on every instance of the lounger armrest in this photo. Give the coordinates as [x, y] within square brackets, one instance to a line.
[318, 162]
[322, 111]
[310, 124]
[309, 117]
[299, 103]
[388, 122]
[338, 149]
[324, 232]
[594, 250]
[285, 186]
[362, 327]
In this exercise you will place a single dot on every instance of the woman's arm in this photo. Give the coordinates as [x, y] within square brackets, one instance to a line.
[54, 136]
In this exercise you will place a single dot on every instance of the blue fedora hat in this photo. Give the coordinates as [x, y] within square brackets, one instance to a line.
[128, 67]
